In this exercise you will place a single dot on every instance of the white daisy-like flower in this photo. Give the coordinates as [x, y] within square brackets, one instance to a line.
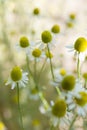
[79, 48]
[59, 113]
[23, 45]
[77, 100]
[17, 76]
[36, 51]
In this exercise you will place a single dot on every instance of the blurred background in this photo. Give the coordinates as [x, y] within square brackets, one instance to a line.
[17, 18]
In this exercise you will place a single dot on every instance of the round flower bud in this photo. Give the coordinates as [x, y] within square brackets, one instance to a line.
[85, 76]
[24, 42]
[80, 44]
[82, 101]
[72, 16]
[49, 54]
[59, 108]
[62, 72]
[36, 11]
[55, 29]
[36, 52]
[69, 24]
[46, 36]
[16, 74]
[68, 82]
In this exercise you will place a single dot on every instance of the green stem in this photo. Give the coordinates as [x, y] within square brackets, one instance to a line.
[78, 67]
[46, 105]
[19, 108]
[73, 120]
[51, 66]
[29, 70]
[42, 69]
[35, 69]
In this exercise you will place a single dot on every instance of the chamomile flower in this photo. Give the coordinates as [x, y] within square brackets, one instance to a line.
[36, 51]
[23, 45]
[59, 112]
[79, 47]
[17, 76]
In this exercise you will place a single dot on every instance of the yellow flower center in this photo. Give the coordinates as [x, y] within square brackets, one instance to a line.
[36, 11]
[16, 74]
[69, 24]
[59, 108]
[82, 100]
[24, 42]
[85, 76]
[68, 82]
[55, 29]
[49, 54]
[72, 16]
[46, 36]
[62, 72]
[36, 52]
[80, 44]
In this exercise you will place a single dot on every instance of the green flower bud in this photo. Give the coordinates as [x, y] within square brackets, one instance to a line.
[55, 29]
[46, 36]
[85, 76]
[49, 54]
[68, 82]
[80, 44]
[36, 11]
[36, 52]
[72, 16]
[24, 42]
[69, 24]
[16, 74]
[59, 108]
[82, 101]
[62, 72]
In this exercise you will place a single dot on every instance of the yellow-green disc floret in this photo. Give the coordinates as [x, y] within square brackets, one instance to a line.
[62, 72]
[16, 74]
[36, 52]
[36, 11]
[49, 54]
[85, 76]
[46, 36]
[72, 16]
[82, 100]
[24, 42]
[55, 28]
[80, 44]
[68, 82]
[69, 24]
[59, 108]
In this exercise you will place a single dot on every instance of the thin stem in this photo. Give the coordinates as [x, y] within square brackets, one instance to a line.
[35, 69]
[19, 108]
[42, 69]
[46, 105]
[29, 70]
[74, 119]
[51, 66]
[78, 67]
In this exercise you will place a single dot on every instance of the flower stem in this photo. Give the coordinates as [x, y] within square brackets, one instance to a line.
[46, 105]
[42, 69]
[51, 66]
[19, 108]
[73, 120]
[78, 67]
